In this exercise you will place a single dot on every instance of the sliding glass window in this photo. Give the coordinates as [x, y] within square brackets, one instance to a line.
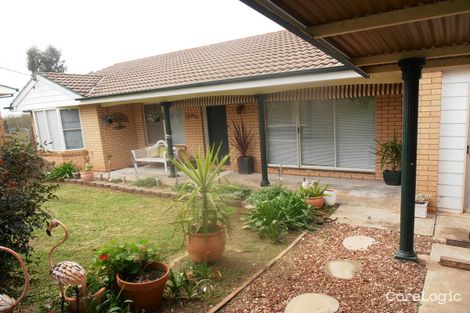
[323, 133]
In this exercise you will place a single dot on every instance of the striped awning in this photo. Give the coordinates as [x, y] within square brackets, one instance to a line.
[336, 92]
[318, 93]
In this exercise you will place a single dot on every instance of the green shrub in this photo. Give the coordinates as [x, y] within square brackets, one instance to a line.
[23, 194]
[275, 216]
[149, 182]
[267, 194]
[237, 192]
[66, 170]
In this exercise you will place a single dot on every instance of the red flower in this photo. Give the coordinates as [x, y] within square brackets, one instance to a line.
[103, 257]
[1, 162]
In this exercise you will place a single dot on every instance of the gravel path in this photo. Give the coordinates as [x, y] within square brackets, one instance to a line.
[302, 270]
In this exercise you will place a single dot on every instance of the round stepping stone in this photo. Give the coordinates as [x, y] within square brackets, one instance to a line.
[312, 303]
[358, 243]
[343, 269]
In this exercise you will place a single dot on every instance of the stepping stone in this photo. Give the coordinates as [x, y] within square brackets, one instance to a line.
[343, 269]
[312, 303]
[358, 243]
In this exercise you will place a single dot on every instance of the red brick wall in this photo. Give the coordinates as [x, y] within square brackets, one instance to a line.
[78, 157]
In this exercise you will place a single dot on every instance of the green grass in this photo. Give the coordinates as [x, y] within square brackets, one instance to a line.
[95, 216]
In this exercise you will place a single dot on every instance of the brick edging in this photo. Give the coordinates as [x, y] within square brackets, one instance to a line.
[124, 188]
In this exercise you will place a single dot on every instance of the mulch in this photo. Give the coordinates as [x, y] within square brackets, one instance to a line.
[302, 270]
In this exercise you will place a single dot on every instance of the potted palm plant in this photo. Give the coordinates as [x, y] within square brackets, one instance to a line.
[241, 140]
[390, 157]
[203, 219]
[313, 193]
[136, 269]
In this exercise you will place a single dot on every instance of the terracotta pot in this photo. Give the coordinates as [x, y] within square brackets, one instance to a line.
[95, 298]
[145, 296]
[206, 247]
[316, 202]
[86, 176]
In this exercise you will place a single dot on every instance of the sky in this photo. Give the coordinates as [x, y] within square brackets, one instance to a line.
[93, 34]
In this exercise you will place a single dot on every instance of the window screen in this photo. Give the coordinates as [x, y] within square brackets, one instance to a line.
[154, 123]
[72, 129]
[177, 125]
[317, 133]
[355, 133]
[281, 133]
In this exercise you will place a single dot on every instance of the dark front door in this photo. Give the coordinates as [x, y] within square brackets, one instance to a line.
[217, 128]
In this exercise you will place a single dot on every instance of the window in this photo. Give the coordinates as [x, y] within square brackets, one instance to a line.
[322, 133]
[155, 124]
[59, 129]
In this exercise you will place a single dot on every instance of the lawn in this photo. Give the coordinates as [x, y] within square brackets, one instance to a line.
[96, 216]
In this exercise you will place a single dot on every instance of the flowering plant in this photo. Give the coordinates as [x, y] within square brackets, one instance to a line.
[129, 260]
[313, 189]
[422, 198]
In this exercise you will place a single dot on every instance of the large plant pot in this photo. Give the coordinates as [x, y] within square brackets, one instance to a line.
[145, 296]
[316, 202]
[246, 165]
[392, 178]
[95, 298]
[87, 176]
[208, 248]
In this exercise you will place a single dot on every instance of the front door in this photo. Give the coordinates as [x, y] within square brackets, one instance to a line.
[217, 129]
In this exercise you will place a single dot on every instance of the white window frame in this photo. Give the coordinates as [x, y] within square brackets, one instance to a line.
[61, 130]
[299, 165]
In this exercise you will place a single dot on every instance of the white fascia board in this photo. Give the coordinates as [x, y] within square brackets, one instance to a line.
[69, 100]
[243, 87]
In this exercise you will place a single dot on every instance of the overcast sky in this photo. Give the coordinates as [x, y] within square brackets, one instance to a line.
[93, 34]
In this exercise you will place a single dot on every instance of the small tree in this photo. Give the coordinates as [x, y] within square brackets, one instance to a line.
[23, 193]
[45, 61]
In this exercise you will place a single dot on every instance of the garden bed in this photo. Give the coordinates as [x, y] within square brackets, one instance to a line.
[302, 270]
[96, 216]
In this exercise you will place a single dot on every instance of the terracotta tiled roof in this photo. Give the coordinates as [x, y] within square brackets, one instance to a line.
[272, 53]
[78, 83]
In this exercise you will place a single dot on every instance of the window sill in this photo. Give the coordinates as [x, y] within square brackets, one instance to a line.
[324, 168]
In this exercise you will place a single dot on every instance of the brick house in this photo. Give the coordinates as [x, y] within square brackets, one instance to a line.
[321, 118]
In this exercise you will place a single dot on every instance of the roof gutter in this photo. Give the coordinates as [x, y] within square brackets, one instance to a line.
[283, 18]
[226, 82]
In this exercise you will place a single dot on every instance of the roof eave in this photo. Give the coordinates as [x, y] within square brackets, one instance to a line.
[227, 81]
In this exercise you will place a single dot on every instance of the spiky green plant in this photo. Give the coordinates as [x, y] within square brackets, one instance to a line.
[390, 153]
[202, 211]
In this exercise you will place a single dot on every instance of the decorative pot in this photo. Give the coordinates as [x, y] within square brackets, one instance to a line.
[208, 248]
[148, 295]
[392, 178]
[421, 210]
[95, 298]
[316, 202]
[86, 176]
[246, 165]
[330, 197]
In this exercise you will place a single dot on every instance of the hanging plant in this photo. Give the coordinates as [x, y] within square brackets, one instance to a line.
[154, 117]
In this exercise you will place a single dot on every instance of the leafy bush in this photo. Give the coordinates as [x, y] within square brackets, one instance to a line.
[66, 170]
[149, 182]
[267, 194]
[130, 260]
[272, 217]
[190, 283]
[23, 193]
[237, 192]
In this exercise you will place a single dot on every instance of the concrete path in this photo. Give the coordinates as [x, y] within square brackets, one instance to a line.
[446, 289]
